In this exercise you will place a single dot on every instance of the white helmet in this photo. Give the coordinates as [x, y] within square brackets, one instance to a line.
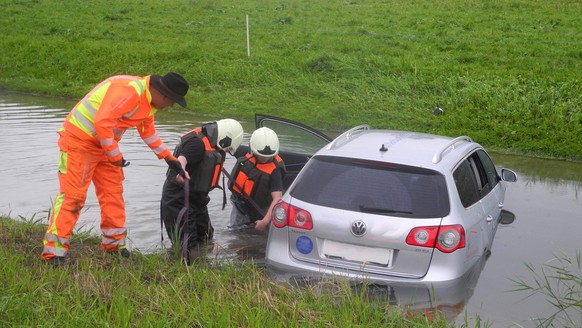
[229, 134]
[264, 142]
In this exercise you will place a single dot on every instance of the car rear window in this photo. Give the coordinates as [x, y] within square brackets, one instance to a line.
[372, 187]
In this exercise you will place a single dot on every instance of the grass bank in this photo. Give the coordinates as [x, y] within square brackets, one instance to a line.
[154, 290]
[505, 72]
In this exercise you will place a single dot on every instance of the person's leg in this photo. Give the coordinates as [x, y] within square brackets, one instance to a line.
[170, 205]
[76, 167]
[199, 229]
[238, 218]
[108, 181]
[204, 228]
[191, 226]
[200, 219]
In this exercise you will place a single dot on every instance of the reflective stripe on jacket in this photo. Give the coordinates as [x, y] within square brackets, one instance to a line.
[113, 106]
[255, 178]
[206, 176]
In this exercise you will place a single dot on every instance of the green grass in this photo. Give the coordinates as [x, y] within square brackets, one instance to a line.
[154, 290]
[560, 282]
[506, 73]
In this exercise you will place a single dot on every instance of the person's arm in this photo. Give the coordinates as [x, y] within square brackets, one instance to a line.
[147, 132]
[192, 152]
[263, 223]
[114, 105]
[276, 187]
[183, 162]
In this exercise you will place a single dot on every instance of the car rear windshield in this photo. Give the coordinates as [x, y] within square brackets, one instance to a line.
[373, 187]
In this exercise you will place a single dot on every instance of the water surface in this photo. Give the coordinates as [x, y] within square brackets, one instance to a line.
[545, 200]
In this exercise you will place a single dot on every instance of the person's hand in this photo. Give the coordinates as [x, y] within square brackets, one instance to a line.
[173, 163]
[181, 177]
[261, 225]
[121, 163]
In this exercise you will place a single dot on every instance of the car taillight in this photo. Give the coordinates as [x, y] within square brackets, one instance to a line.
[422, 236]
[280, 214]
[446, 239]
[451, 238]
[285, 214]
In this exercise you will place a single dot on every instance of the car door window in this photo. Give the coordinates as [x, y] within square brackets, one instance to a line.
[466, 183]
[293, 136]
[489, 167]
[297, 143]
[475, 177]
[484, 185]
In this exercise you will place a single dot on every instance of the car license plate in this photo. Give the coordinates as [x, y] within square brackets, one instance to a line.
[357, 253]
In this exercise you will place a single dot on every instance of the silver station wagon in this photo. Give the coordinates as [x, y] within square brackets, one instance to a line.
[386, 206]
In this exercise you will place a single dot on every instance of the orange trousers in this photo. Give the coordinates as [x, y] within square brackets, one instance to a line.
[82, 162]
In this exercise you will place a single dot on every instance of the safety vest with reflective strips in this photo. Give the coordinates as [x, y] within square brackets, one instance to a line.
[207, 174]
[113, 106]
[254, 178]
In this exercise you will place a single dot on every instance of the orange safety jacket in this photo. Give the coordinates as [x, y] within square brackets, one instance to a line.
[255, 178]
[207, 175]
[113, 106]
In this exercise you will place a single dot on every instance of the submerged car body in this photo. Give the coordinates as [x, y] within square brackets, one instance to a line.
[389, 206]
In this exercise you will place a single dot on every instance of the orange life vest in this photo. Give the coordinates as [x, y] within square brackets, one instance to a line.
[254, 178]
[207, 175]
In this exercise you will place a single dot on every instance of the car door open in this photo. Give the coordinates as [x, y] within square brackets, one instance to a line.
[298, 142]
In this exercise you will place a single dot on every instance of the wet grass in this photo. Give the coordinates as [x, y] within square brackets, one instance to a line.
[559, 281]
[505, 73]
[155, 290]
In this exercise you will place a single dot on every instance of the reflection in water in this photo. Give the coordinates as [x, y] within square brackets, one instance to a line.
[544, 199]
[246, 244]
[541, 170]
[447, 298]
[554, 175]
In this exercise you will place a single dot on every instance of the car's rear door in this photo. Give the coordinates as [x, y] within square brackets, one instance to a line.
[492, 194]
[297, 143]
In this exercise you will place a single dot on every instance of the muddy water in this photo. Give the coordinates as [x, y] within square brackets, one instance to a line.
[546, 202]
[28, 173]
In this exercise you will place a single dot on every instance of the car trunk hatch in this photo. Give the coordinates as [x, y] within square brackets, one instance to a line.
[364, 242]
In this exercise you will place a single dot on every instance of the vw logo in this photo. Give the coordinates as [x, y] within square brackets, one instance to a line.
[359, 228]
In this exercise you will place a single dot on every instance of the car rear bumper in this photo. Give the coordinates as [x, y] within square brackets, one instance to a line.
[284, 266]
[411, 294]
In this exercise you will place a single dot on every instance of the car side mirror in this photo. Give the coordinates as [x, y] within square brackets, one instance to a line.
[508, 175]
[506, 217]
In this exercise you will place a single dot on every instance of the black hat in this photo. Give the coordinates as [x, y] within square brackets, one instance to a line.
[171, 85]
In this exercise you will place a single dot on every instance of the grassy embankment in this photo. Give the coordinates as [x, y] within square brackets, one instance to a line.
[506, 73]
[101, 290]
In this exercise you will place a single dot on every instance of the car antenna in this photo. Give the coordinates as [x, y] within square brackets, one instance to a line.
[383, 148]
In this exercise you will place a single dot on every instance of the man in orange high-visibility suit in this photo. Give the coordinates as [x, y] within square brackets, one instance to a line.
[89, 152]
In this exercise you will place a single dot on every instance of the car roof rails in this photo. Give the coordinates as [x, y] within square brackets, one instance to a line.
[438, 156]
[348, 135]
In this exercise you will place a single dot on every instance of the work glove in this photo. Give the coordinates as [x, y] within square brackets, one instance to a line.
[121, 163]
[175, 165]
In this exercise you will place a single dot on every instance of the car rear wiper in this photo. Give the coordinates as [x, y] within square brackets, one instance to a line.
[365, 209]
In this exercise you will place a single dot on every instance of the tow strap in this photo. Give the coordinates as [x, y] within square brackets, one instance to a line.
[183, 213]
[183, 216]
